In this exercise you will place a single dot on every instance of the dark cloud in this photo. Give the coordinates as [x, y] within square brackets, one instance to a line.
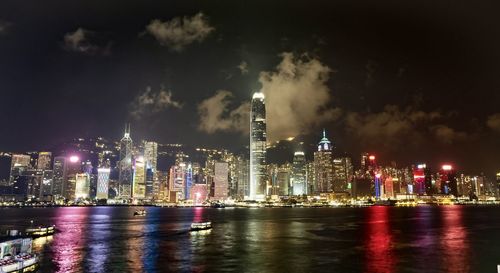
[493, 122]
[81, 41]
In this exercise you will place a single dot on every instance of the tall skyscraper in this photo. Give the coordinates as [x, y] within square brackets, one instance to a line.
[82, 187]
[139, 182]
[258, 181]
[59, 176]
[125, 178]
[343, 172]
[19, 163]
[323, 166]
[73, 167]
[299, 174]
[102, 183]
[44, 160]
[151, 161]
[448, 179]
[221, 183]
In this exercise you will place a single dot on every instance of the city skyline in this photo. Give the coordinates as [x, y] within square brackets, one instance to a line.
[376, 80]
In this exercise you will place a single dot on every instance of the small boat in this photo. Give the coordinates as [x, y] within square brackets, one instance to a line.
[40, 231]
[140, 212]
[16, 256]
[217, 205]
[201, 226]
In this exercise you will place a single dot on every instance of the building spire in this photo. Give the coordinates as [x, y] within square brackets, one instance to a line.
[324, 133]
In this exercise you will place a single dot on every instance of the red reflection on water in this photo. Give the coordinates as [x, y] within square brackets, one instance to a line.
[380, 256]
[71, 223]
[454, 241]
[198, 214]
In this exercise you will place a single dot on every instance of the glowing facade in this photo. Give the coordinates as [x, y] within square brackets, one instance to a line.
[299, 186]
[221, 183]
[44, 160]
[125, 178]
[323, 166]
[102, 183]
[258, 138]
[139, 181]
[82, 187]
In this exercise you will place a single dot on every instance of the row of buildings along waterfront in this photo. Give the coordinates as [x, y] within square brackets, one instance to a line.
[124, 171]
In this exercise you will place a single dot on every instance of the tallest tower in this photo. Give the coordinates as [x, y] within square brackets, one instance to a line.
[125, 170]
[258, 147]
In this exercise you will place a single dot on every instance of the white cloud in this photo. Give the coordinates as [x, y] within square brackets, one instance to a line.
[243, 67]
[79, 41]
[448, 135]
[215, 114]
[151, 102]
[180, 32]
[297, 96]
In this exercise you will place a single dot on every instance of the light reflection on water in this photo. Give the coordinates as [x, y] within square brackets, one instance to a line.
[374, 239]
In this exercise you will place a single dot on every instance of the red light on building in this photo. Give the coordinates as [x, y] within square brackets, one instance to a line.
[372, 157]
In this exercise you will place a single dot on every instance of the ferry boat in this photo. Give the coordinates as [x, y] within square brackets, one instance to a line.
[16, 255]
[40, 231]
[140, 212]
[201, 226]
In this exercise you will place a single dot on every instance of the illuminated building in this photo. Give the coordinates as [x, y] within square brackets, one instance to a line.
[448, 180]
[102, 183]
[73, 167]
[19, 163]
[221, 171]
[378, 185]
[151, 160]
[498, 185]
[126, 171]
[59, 176]
[243, 177]
[388, 187]
[258, 181]
[299, 186]
[343, 172]
[82, 189]
[176, 181]
[323, 166]
[139, 180]
[44, 160]
[188, 182]
[419, 179]
[199, 193]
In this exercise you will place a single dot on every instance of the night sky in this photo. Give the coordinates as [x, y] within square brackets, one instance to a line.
[410, 82]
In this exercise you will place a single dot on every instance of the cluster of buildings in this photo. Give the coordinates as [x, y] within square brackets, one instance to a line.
[123, 172]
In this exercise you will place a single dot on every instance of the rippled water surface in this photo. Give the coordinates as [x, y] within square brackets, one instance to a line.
[374, 239]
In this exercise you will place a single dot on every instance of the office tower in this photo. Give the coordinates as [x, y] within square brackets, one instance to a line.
[73, 167]
[188, 181]
[448, 180]
[498, 185]
[199, 193]
[242, 177]
[139, 180]
[151, 161]
[176, 182]
[258, 181]
[126, 171]
[343, 172]
[299, 174]
[221, 183]
[364, 162]
[419, 179]
[323, 166]
[19, 163]
[102, 183]
[82, 187]
[44, 160]
[388, 188]
[59, 176]
[282, 181]
[47, 184]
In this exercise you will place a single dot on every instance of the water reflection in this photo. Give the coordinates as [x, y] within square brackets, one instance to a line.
[380, 255]
[151, 244]
[69, 242]
[454, 241]
[99, 248]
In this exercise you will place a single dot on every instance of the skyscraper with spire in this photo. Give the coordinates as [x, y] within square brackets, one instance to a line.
[258, 138]
[323, 166]
[126, 171]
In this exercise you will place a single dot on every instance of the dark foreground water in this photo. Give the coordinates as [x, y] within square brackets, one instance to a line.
[374, 239]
